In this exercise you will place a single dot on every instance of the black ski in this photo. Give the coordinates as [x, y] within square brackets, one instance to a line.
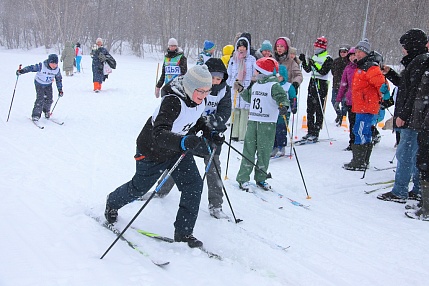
[117, 232]
[170, 240]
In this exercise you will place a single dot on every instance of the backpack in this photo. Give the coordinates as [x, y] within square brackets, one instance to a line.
[111, 61]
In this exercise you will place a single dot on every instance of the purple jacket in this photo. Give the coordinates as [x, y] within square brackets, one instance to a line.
[346, 84]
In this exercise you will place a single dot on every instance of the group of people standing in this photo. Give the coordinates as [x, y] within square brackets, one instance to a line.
[247, 90]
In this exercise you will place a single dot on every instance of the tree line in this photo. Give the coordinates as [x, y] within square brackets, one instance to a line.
[146, 25]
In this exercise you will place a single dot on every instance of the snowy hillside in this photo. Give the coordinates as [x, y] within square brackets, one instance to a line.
[51, 178]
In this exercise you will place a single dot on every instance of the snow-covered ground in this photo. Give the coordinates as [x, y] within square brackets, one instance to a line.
[51, 178]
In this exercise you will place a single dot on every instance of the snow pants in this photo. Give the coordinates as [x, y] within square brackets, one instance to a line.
[187, 178]
[423, 154]
[315, 106]
[259, 139]
[43, 100]
[78, 61]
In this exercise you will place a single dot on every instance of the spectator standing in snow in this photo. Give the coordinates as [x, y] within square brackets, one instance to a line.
[267, 98]
[280, 140]
[338, 67]
[78, 52]
[159, 146]
[415, 55]
[98, 57]
[266, 50]
[216, 114]
[175, 64]
[240, 70]
[292, 54]
[46, 73]
[319, 65]
[345, 94]
[226, 54]
[68, 57]
[207, 53]
[283, 56]
[368, 86]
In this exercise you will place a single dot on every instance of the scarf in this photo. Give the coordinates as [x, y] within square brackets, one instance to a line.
[239, 58]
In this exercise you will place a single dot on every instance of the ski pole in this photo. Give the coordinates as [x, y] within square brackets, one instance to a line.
[230, 134]
[13, 95]
[55, 105]
[220, 181]
[391, 162]
[248, 160]
[297, 161]
[212, 154]
[145, 204]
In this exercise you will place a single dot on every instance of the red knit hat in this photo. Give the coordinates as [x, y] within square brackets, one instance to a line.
[267, 66]
[321, 42]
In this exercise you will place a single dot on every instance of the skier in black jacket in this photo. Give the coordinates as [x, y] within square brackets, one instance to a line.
[159, 146]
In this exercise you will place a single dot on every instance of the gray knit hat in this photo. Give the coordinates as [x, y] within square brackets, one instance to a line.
[196, 77]
[364, 46]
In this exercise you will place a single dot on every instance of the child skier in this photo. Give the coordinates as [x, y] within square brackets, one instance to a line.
[267, 98]
[46, 73]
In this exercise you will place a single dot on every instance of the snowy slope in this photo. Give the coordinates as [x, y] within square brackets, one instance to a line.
[50, 178]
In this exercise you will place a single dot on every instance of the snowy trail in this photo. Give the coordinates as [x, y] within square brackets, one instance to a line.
[50, 178]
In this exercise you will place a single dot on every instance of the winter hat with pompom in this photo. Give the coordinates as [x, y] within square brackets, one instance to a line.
[267, 66]
[196, 77]
[266, 46]
[321, 42]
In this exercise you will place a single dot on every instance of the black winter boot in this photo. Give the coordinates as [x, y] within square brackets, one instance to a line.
[358, 161]
[423, 212]
[368, 150]
[189, 238]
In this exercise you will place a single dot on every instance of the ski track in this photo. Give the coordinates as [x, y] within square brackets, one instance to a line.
[51, 177]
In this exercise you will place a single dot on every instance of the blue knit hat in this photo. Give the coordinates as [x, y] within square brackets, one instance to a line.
[208, 46]
[266, 46]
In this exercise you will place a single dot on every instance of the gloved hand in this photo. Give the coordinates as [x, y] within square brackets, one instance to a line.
[294, 108]
[337, 106]
[238, 86]
[60, 93]
[384, 89]
[191, 142]
[157, 89]
[18, 72]
[283, 110]
[302, 57]
[102, 57]
[311, 63]
[217, 137]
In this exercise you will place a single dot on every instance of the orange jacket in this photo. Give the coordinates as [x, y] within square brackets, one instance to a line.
[366, 95]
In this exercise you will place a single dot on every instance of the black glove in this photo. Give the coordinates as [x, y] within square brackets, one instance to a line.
[302, 57]
[102, 57]
[283, 110]
[238, 86]
[294, 108]
[18, 72]
[60, 93]
[191, 142]
[295, 85]
[337, 106]
[217, 137]
[311, 63]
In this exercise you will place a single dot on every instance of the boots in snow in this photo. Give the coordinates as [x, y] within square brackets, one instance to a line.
[358, 161]
[423, 212]
[192, 241]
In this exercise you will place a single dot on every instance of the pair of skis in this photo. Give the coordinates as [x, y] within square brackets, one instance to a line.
[40, 126]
